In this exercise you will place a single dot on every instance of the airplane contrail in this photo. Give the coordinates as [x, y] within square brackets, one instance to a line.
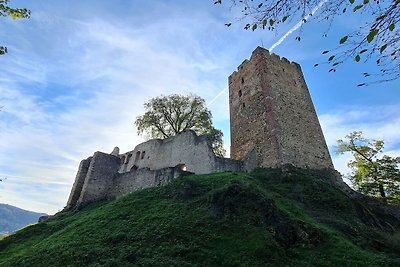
[298, 24]
[293, 29]
[216, 97]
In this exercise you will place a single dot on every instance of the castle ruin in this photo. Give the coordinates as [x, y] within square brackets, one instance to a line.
[273, 123]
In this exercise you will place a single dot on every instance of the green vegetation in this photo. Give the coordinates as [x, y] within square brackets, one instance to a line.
[373, 37]
[13, 218]
[15, 13]
[170, 115]
[265, 218]
[377, 177]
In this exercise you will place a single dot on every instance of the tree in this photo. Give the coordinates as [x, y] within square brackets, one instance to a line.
[379, 177]
[167, 116]
[376, 39]
[15, 13]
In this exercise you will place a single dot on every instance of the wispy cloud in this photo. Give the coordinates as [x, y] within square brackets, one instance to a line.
[86, 98]
[376, 122]
[78, 73]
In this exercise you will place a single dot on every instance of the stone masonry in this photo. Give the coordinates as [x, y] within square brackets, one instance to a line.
[273, 123]
[152, 163]
[272, 115]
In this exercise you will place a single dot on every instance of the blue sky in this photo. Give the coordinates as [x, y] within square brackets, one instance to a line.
[78, 72]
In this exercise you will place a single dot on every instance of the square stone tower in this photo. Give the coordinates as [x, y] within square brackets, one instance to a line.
[273, 120]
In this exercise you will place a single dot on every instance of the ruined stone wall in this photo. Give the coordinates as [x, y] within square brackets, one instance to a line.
[99, 177]
[188, 149]
[273, 123]
[272, 115]
[79, 181]
[152, 163]
[142, 178]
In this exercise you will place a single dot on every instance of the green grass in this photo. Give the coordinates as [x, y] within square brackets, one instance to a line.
[264, 218]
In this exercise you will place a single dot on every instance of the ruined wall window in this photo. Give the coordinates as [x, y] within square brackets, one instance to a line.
[242, 80]
[128, 158]
[243, 105]
[240, 93]
[143, 153]
[134, 168]
[123, 160]
[182, 167]
[137, 155]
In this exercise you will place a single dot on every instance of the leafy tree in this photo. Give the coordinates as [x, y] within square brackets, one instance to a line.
[378, 38]
[15, 13]
[372, 175]
[169, 115]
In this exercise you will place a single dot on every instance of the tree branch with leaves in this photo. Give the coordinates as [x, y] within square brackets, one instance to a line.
[378, 38]
[14, 13]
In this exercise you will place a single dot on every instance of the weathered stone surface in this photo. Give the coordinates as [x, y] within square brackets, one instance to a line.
[152, 163]
[272, 113]
[79, 181]
[115, 151]
[185, 149]
[273, 123]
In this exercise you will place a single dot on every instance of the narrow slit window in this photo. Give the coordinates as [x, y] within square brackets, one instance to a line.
[137, 155]
[240, 93]
[143, 153]
[128, 158]
[134, 168]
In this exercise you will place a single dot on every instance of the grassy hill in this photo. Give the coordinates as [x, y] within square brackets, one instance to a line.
[13, 218]
[264, 218]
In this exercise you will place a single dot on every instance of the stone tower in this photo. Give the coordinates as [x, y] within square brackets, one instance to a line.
[273, 120]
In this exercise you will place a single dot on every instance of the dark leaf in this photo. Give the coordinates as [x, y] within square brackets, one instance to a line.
[271, 22]
[383, 47]
[372, 34]
[264, 23]
[357, 58]
[344, 39]
[357, 7]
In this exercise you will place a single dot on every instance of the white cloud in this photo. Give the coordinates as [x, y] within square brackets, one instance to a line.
[81, 92]
[376, 122]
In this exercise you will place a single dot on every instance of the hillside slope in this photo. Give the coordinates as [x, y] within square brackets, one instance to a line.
[13, 218]
[264, 218]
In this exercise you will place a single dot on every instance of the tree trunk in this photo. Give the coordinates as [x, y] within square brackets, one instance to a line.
[382, 192]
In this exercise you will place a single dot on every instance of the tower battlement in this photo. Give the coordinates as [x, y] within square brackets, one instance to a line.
[272, 114]
[273, 123]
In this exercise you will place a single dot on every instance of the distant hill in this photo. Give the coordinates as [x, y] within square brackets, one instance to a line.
[264, 218]
[13, 218]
